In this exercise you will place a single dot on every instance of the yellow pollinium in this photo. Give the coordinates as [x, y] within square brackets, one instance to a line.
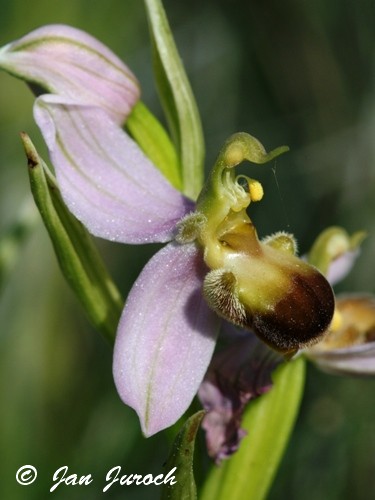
[255, 190]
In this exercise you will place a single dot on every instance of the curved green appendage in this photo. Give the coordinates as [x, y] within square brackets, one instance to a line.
[269, 421]
[78, 257]
[154, 141]
[243, 146]
[177, 99]
[181, 458]
[222, 195]
[237, 148]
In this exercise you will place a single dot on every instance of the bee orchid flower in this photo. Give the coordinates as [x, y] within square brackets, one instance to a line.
[213, 267]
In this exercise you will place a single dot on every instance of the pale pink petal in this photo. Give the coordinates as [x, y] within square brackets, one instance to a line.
[165, 338]
[105, 179]
[66, 61]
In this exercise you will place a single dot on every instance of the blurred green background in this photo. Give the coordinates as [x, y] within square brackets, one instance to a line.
[291, 72]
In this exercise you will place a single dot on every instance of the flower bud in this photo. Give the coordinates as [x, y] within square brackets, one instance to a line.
[335, 251]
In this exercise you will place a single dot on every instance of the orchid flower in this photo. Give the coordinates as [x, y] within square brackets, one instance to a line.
[349, 345]
[214, 265]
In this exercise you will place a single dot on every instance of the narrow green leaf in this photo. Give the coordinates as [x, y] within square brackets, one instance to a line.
[269, 421]
[155, 143]
[78, 257]
[181, 458]
[177, 99]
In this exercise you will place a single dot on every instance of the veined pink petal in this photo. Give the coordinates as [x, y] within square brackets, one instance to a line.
[105, 179]
[69, 62]
[165, 338]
